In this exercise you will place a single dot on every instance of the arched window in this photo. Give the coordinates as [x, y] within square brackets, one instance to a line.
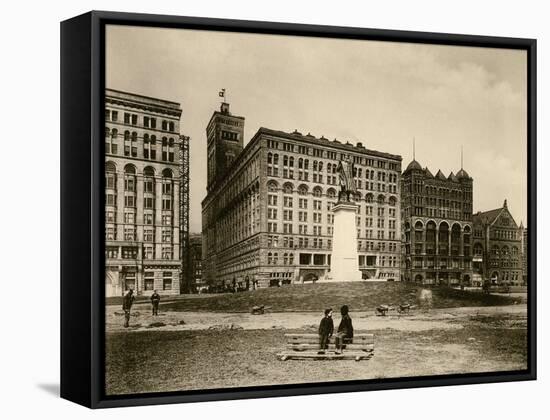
[167, 189]
[287, 188]
[381, 199]
[270, 158]
[331, 193]
[275, 159]
[291, 161]
[171, 126]
[149, 180]
[392, 201]
[317, 192]
[110, 176]
[320, 166]
[300, 163]
[443, 238]
[272, 186]
[495, 250]
[127, 143]
[369, 198]
[129, 186]
[302, 190]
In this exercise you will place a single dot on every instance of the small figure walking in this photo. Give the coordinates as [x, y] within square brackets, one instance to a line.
[345, 330]
[127, 302]
[155, 300]
[326, 328]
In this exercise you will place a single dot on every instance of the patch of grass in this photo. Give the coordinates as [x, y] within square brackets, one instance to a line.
[315, 297]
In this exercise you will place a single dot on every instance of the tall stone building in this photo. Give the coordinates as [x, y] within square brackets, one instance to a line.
[498, 242]
[143, 166]
[437, 226]
[195, 250]
[267, 218]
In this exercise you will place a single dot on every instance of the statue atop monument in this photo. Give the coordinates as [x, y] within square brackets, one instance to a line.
[347, 183]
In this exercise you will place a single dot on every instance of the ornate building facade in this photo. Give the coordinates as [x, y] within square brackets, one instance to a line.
[143, 167]
[436, 226]
[498, 243]
[267, 216]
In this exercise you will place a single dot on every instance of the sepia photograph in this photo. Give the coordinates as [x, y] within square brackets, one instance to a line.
[284, 209]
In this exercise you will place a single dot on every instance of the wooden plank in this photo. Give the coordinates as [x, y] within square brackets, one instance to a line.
[331, 341]
[331, 347]
[314, 338]
[331, 356]
[359, 336]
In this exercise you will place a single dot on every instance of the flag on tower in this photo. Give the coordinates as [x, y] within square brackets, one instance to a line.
[222, 93]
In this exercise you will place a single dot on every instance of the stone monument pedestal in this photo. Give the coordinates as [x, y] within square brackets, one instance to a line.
[344, 265]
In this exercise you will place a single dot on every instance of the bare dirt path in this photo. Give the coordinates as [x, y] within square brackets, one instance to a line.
[417, 320]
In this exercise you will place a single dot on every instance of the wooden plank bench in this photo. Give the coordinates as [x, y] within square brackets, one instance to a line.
[306, 346]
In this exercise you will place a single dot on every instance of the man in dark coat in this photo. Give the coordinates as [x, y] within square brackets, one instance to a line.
[127, 302]
[326, 328]
[345, 330]
[155, 300]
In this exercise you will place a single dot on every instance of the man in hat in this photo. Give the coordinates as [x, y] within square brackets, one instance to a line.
[326, 328]
[127, 302]
[345, 330]
[155, 300]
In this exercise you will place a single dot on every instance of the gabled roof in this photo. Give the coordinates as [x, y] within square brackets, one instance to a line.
[452, 177]
[428, 173]
[440, 175]
[491, 216]
[488, 217]
[414, 165]
[462, 174]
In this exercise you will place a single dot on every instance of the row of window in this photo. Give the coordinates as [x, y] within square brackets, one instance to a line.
[288, 188]
[149, 150]
[133, 119]
[148, 281]
[130, 234]
[131, 253]
[329, 154]
[130, 218]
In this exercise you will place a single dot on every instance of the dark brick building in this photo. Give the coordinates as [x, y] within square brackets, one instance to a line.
[498, 247]
[436, 226]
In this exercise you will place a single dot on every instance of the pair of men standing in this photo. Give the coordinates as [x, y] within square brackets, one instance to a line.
[343, 335]
[128, 301]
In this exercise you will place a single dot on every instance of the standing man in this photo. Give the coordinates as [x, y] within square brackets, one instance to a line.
[155, 300]
[345, 330]
[127, 302]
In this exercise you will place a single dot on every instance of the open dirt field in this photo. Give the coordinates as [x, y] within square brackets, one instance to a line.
[208, 350]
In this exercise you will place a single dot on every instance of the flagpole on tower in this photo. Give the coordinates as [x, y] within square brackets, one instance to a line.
[222, 94]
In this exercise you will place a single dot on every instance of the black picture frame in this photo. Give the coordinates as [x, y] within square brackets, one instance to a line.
[82, 206]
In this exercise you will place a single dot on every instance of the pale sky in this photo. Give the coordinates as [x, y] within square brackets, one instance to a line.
[383, 94]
